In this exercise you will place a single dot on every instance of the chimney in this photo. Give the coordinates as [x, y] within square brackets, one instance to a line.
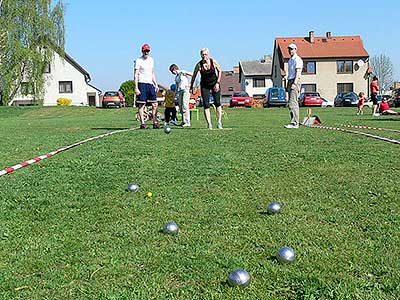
[236, 69]
[311, 37]
[328, 35]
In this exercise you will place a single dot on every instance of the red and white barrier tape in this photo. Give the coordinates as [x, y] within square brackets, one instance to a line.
[369, 127]
[357, 132]
[50, 154]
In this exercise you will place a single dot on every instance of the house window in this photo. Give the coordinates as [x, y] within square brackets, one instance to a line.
[345, 66]
[258, 82]
[344, 87]
[47, 69]
[230, 89]
[309, 87]
[65, 86]
[27, 88]
[309, 67]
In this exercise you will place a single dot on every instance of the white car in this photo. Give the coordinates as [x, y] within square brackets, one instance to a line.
[327, 103]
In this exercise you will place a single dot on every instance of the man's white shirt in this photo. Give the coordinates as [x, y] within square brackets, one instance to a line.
[295, 62]
[145, 67]
[182, 80]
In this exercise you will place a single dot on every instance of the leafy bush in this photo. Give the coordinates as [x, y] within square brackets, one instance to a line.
[127, 88]
[64, 102]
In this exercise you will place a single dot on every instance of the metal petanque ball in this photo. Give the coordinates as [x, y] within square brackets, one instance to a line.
[239, 277]
[167, 129]
[274, 208]
[286, 255]
[171, 228]
[133, 187]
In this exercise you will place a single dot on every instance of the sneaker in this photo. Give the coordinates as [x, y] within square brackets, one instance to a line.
[166, 124]
[173, 122]
[209, 126]
[375, 115]
[291, 126]
[186, 125]
[219, 126]
[156, 126]
[143, 126]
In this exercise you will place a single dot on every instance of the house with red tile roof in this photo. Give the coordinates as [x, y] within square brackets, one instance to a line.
[332, 64]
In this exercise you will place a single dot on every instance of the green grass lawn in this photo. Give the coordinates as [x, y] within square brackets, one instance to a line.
[70, 230]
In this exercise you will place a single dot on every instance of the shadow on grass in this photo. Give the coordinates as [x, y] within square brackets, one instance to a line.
[109, 128]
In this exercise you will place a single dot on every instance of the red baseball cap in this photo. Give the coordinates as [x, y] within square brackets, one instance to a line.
[146, 47]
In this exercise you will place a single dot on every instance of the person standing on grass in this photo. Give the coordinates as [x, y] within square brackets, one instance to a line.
[210, 73]
[169, 103]
[146, 86]
[182, 87]
[374, 87]
[361, 100]
[293, 86]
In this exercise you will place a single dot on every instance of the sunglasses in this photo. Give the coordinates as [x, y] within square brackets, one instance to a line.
[146, 51]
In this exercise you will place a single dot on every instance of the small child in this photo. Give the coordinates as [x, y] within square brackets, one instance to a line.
[361, 100]
[169, 103]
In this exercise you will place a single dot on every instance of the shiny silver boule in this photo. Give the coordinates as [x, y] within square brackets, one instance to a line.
[167, 129]
[133, 187]
[239, 277]
[171, 228]
[274, 208]
[286, 255]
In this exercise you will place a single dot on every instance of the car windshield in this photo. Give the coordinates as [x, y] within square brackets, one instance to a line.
[277, 92]
[240, 94]
[111, 94]
[350, 95]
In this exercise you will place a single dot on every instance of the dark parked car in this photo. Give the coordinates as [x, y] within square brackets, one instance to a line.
[275, 96]
[396, 96]
[310, 99]
[346, 99]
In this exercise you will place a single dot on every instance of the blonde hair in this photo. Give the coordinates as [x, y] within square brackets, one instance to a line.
[204, 50]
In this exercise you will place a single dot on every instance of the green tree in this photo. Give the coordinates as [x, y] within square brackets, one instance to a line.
[128, 89]
[30, 32]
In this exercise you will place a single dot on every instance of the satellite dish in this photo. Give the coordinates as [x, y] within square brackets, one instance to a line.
[360, 62]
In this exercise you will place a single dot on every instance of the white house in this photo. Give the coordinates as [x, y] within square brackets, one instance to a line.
[255, 76]
[64, 78]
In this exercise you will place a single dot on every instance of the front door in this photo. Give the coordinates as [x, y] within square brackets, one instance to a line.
[92, 100]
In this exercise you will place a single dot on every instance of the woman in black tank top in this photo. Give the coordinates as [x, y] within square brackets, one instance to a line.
[210, 73]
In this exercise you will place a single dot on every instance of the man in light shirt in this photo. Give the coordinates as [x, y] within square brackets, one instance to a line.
[146, 86]
[182, 87]
[293, 86]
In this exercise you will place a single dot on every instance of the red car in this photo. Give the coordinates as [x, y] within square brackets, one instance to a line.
[310, 99]
[241, 99]
[113, 99]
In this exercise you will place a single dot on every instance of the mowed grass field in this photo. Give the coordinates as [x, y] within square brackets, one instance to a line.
[70, 230]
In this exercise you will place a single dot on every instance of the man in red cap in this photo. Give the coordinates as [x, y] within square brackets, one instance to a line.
[146, 85]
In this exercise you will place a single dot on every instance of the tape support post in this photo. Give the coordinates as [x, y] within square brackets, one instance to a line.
[50, 154]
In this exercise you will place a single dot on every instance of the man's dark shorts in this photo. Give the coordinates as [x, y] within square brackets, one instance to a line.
[374, 99]
[147, 93]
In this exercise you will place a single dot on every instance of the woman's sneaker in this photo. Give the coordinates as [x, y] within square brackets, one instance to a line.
[219, 125]
[156, 126]
[143, 126]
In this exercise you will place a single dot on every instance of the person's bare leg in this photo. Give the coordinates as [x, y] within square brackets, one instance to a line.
[207, 115]
[154, 112]
[141, 113]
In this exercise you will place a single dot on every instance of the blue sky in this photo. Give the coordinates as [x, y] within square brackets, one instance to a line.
[105, 36]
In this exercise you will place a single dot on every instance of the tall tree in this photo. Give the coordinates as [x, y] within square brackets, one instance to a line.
[30, 31]
[382, 67]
